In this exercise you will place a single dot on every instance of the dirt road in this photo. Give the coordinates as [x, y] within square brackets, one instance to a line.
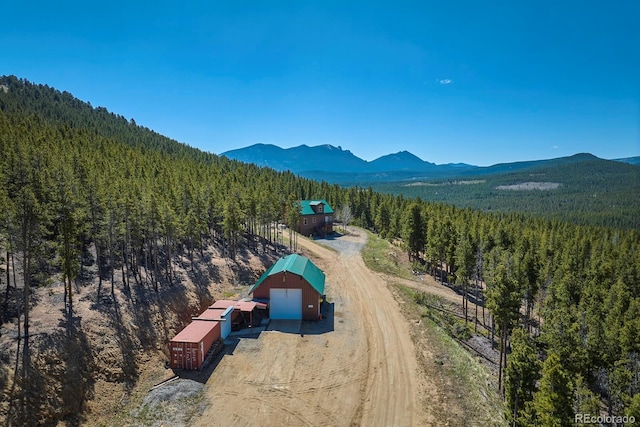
[361, 370]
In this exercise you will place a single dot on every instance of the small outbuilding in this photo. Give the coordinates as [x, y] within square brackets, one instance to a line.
[294, 287]
[242, 310]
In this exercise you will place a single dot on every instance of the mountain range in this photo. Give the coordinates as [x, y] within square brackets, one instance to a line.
[325, 158]
[334, 164]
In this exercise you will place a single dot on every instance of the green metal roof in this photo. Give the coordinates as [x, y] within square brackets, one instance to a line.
[308, 210]
[296, 264]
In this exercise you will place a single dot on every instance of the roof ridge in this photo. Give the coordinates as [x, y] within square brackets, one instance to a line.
[296, 264]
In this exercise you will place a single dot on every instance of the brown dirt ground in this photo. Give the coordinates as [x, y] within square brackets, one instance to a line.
[126, 343]
[365, 372]
[371, 367]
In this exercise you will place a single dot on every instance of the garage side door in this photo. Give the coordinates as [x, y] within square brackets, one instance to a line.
[285, 303]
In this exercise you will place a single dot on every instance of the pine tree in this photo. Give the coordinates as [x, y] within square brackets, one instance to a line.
[465, 261]
[504, 298]
[413, 231]
[586, 401]
[521, 374]
[68, 216]
[634, 407]
[293, 219]
[553, 402]
[231, 224]
[382, 219]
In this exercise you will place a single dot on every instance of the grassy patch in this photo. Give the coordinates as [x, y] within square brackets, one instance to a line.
[381, 256]
[442, 312]
[229, 294]
[466, 380]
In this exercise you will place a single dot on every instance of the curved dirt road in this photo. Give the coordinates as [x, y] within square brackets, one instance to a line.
[358, 368]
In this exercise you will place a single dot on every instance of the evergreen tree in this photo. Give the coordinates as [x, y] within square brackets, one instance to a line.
[586, 401]
[293, 215]
[634, 407]
[504, 298]
[553, 402]
[521, 375]
[383, 219]
[68, 217]
[231, 224]
[466, 263]
[413, 230]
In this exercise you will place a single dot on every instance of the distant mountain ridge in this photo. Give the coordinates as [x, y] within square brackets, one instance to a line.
[401, 161]
[301, 158]
[328, 158]
[345, 167]
[629, 160]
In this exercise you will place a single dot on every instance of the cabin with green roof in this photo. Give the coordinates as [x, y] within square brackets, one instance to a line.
[293, 287]
[316, 218]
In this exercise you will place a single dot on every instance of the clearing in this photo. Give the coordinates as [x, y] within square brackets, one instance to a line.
[530, 186]
[364, 372]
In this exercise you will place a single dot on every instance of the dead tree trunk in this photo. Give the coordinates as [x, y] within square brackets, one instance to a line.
[155, 263]
[475, 327]
[5, 303]
[98, 257]
[26, 266]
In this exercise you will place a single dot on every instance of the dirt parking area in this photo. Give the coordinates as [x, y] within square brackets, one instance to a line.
[356, 367]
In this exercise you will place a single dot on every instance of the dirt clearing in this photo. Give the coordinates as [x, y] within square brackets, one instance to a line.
[363, 372]
[530, 186]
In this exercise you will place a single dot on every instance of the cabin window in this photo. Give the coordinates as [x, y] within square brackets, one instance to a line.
[314, 219]
[305, 221]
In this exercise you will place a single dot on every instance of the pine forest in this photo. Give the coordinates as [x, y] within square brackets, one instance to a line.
[82, 186]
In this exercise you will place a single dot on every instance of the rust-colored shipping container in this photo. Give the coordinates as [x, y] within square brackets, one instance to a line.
[189, 348]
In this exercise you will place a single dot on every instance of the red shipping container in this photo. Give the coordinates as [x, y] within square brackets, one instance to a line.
[189, 348]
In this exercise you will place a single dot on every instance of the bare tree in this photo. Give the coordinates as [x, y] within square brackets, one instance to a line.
[345, 216]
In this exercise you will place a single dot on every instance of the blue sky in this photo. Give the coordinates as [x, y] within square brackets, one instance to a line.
[456, 81]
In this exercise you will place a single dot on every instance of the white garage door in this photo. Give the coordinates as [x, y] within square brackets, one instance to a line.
[285, 303]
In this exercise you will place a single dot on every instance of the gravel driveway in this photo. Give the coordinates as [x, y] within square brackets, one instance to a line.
[345, 244]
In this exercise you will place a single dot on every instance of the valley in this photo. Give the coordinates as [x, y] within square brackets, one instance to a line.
[581, 189]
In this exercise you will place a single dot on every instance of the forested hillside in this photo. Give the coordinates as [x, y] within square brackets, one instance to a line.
[76, 180]
[583, 189]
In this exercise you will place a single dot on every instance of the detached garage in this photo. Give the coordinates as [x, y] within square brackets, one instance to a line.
[293, 286]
